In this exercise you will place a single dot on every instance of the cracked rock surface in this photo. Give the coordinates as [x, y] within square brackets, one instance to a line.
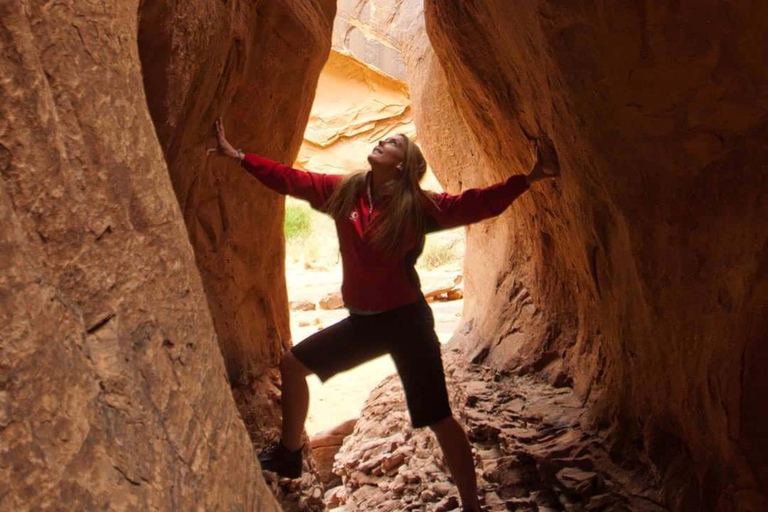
[533, 448]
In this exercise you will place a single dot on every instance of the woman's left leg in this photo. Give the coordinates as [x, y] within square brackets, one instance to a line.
[416, 352]
[458, 455]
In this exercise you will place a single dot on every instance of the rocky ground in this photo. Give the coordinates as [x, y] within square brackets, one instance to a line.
[533, 452]
[533, 449]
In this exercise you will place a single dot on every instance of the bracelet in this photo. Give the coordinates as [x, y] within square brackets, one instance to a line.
[240, 155]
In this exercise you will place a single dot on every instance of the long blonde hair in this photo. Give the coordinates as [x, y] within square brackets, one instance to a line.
[404, 210]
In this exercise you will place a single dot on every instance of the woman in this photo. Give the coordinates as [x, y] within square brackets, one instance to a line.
[382, 216]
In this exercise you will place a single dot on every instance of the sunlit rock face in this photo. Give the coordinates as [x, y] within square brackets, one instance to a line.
[639, 278]
[362, 96]
[354, 108]
[373, 31]
[257, 65]
[113, 392]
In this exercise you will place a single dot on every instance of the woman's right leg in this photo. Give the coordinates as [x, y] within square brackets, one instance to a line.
[295, 400]
[335, 349]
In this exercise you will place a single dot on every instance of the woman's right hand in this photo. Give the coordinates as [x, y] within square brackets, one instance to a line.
[223, 147]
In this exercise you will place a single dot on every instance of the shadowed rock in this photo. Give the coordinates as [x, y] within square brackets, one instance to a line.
[113, 393]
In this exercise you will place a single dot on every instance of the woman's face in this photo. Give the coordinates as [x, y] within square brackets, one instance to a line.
[388, 153]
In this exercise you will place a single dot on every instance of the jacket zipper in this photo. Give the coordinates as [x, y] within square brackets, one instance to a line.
[370, 199]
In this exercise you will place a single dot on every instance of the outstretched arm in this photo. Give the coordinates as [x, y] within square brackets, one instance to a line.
[477, 204]
[313, 187]
[310, 186]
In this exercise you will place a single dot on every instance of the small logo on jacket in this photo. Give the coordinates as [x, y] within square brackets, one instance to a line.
[354, 216]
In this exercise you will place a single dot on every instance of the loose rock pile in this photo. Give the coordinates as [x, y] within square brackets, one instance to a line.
[326, 445]
[532, 452]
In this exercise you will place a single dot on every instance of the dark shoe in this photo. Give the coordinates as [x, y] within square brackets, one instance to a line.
[281, 460]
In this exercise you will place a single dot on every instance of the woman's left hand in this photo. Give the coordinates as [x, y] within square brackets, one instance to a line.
[546, 166]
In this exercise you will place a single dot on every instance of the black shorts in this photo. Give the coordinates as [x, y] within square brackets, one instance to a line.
[407, 334]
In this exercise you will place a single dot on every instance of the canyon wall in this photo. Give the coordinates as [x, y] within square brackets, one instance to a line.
[355, 107]
[373, 31]
[361, 96]
[640, 277]
[113, 392]
[257, 65]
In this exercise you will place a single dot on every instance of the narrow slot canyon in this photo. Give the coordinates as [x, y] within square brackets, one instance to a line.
[611, 346]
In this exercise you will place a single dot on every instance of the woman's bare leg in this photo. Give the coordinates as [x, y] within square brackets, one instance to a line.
[458, 455]
[295, 400]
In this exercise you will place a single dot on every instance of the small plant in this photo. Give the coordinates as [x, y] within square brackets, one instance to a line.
[310, 236]
[443, 249]
[297, 221]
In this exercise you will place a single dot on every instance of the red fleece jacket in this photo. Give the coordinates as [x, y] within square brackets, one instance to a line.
[376, 281]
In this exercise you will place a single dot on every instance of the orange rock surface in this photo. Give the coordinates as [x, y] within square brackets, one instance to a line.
[114, 393]
[641, 274]
[257, 66]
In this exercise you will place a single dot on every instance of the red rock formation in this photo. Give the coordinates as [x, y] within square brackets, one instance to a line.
[641, 275]
[257, 65]
[112, 386]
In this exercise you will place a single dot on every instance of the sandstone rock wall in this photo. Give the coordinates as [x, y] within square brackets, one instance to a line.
[641, 275]
[113, 392]
[361, 95]
[256, 64]
[373, 31]
[235, 65]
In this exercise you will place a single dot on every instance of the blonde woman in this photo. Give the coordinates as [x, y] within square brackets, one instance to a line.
[382, 216]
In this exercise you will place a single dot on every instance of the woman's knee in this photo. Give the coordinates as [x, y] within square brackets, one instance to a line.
[290, 366]
[444, 424]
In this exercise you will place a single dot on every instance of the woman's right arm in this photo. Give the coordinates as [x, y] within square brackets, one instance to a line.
[313, 187]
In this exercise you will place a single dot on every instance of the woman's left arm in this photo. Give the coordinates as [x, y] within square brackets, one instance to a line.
[476, 204]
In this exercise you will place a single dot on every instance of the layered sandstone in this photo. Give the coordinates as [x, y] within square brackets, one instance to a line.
[373, 32]
[361, 95]
[113, 391]
[641, 275]
[355, 106]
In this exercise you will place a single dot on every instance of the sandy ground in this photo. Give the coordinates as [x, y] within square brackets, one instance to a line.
[342, 396]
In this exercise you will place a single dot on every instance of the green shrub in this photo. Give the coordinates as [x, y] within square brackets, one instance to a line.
[297, 221]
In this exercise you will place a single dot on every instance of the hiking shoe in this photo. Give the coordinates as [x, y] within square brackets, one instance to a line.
[279, 459]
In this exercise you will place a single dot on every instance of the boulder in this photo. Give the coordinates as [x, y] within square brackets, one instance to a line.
[331, 300]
